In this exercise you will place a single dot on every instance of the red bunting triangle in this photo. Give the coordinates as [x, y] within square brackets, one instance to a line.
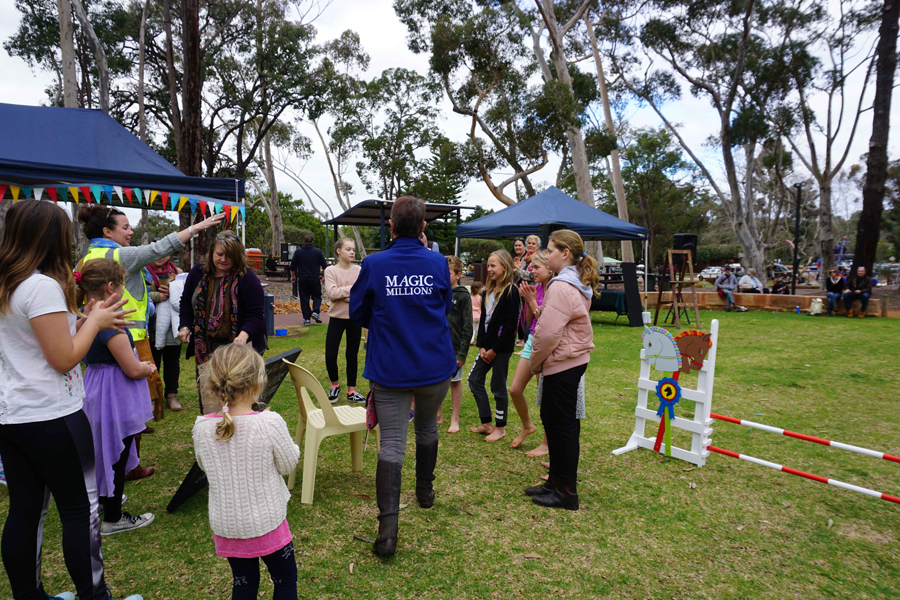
[52, 192]
[128, 193]
[2, 191]
[165, 199]
[227, 210]
[86, 192]
[203, 208]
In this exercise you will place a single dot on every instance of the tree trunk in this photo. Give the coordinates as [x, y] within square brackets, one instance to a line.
[274, 208]
[99, 54]
[618, 184]
[191, 90]
[826, 231]
[877, 162]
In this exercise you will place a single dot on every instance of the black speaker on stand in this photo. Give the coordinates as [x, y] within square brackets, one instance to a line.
[547, 229]
[685, 241]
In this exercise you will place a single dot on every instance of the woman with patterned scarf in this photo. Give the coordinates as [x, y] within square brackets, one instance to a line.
[222, 304]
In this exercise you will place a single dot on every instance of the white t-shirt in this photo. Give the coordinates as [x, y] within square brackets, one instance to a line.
[30, 389]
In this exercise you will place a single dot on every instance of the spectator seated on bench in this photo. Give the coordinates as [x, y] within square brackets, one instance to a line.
[859, 288]
[780, 286]
[834, 290]
[749, 284]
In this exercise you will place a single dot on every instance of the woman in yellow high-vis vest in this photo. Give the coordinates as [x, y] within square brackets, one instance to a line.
[109, 232]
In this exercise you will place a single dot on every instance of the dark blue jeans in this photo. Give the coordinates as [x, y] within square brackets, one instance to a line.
[863, 298]
[833, 298]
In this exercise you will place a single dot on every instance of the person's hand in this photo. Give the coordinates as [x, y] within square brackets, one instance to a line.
[209, 222]
[241, 339]
[293, 278]
[527, 292]
[488, 356]
[109, 314]
[150, 365]
[184, 334]
[460, 363]
[163, 293]
[856, 291]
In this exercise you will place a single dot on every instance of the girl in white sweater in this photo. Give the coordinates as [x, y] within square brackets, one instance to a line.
[245, 455]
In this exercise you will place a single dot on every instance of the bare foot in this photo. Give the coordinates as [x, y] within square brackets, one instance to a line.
[440, 420]
[526, 431]
[498, 434]
[541, 450]
[454, 427]
[545, 464]
[485, 428]
[545, 477]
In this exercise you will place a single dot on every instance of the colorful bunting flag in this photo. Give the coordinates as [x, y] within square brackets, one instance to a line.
[128, 194]
[74, 192]
[174, 201]
[193, 206]
[15, 193]
[165, 198]
[181, 202]
[86, 192]
[118, 190]
[243, 213]
[203, 208]
[2, 191]
[97, 192]
[38, 192]
[153, 195]
[51, 191]
[139, 193]
[234, 212]
[26, 192]
[63, 194]
[108, 190]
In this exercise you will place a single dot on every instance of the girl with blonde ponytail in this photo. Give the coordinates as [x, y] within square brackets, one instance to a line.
[561, 347]
[246, 455]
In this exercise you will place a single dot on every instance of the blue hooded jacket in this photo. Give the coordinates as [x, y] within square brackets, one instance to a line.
[403, 297]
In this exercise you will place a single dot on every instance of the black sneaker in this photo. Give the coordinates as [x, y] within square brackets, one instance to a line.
[316, 318]
[334, 393]
[356, 397]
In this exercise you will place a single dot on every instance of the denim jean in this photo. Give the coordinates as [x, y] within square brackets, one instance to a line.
[833, 298]
[863, 298]
[729, 298]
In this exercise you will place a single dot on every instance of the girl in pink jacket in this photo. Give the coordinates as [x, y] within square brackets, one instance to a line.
[563, 340]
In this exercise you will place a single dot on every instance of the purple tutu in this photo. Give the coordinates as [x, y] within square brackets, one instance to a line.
[117, 406]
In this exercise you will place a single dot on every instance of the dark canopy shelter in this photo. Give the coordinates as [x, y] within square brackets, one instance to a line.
[551, 206]
[375, 213]
[44, 146]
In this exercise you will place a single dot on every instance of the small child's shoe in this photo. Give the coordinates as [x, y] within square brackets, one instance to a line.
[334, 394]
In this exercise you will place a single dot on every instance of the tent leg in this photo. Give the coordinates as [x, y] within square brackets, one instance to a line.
[458, 211]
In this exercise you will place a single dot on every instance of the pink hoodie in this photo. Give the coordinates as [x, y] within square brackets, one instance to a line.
[564, 335]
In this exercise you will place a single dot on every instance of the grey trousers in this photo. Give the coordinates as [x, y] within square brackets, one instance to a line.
[392, 409]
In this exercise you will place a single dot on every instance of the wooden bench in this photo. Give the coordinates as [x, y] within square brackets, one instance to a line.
[770, 302]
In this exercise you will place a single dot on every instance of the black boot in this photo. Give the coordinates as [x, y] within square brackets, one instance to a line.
[426, 458]
[547, 486]
[564, 496]
[387, 493]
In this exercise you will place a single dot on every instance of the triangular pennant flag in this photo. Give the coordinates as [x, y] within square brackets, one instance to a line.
[234, 212]
[51, 191]
[128, 195]
[193, 206]
[118, 190]
[2, 191]
[61, 194]
[26, 192]
[74, 192]
[139, 193]
[203, 208]
[153, 194]
[227, 210]
[108, 190]
[38, 192]
[181, 203]
[97, 192]
[243, 213]
[174, 201]
[15, 192]
[165, 198]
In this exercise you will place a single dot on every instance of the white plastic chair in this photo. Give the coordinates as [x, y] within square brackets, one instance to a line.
[320, 423]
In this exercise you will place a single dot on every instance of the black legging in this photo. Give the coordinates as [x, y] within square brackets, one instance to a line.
[168, 362]
[43, 459]
[563, 429]
[112, 506]
[336, 329]
[282, 567]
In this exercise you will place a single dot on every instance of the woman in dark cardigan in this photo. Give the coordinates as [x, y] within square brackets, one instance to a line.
[222, 304]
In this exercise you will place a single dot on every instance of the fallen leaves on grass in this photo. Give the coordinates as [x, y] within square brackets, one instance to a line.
[533, 555]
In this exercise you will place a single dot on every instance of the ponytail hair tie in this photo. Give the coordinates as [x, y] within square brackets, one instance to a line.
[225, 410]
[77, 278]
[582, 254]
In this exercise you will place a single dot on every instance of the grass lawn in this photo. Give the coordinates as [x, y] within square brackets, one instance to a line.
[643, 531]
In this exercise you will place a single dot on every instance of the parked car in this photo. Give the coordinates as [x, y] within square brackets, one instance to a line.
[710, 273]
[780, 270]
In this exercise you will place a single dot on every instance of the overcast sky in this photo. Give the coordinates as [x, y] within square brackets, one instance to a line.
[384, 38]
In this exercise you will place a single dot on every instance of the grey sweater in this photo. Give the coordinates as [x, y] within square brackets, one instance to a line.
[134, 258]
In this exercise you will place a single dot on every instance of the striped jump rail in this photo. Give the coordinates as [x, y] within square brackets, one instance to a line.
[808, 438]
[782, 468]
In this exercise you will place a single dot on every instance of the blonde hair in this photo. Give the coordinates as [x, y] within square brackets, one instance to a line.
[455, 263]
[476, 288]
[540, 258]
[499, 287]
[340, 243]
[234, 372]
[566, 239]
[95, 275]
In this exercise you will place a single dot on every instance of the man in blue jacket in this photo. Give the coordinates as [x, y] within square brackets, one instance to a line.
[306, 267]
[403, 297]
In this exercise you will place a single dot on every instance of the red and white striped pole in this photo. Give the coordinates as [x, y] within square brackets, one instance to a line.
[834, 482]
[808, 438]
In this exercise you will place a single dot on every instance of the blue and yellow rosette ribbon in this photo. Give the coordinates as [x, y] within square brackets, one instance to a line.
[669, 393]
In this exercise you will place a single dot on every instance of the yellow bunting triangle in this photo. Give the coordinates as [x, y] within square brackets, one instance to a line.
[234, 211]
[15, 193]
[181, 203]
[153, 194]
[74, 192]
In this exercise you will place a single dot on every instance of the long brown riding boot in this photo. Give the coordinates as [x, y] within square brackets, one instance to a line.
[387, 494]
